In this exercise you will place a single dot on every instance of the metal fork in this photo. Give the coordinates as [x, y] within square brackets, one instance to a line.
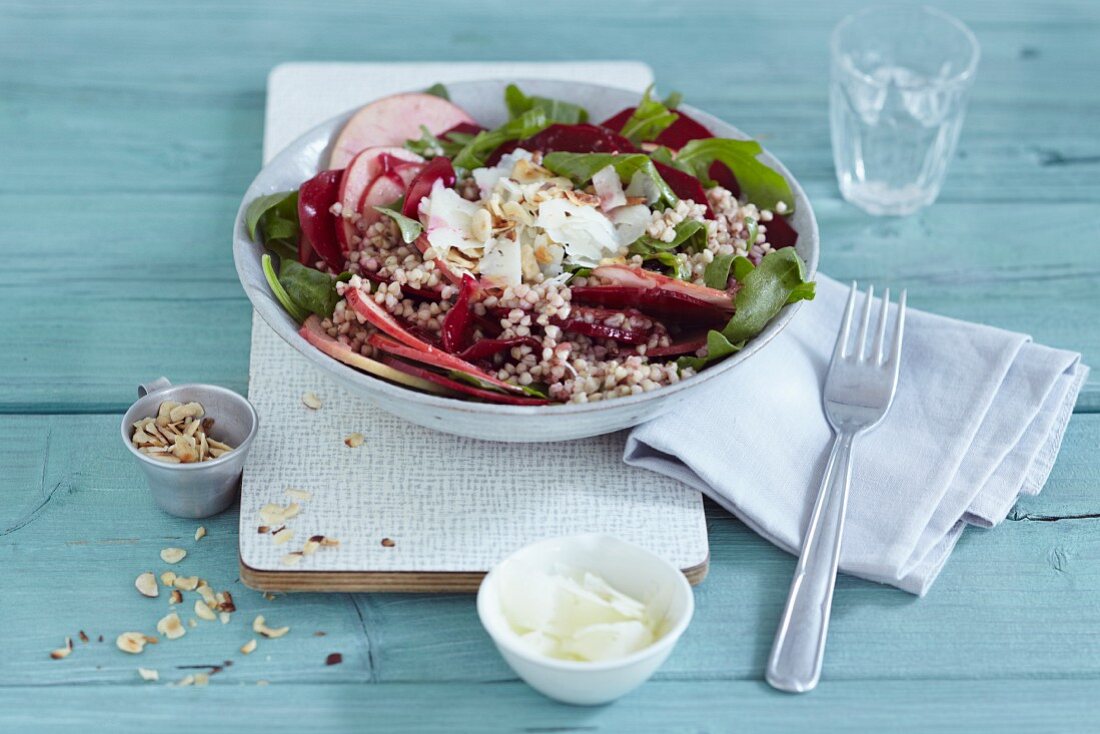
[859, 389]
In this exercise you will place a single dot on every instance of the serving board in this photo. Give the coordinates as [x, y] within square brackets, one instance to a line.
[414, 509]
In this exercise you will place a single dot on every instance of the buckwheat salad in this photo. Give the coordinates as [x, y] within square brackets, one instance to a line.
[549, 260]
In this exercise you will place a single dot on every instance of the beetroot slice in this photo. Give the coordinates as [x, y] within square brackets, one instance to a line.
[318, 224]
[430, 355]
[684, 185]
[462, 387]
[464, 128]
[676, 136]
[780, 232]
[458, 323]
[485, 348]
[582, 138]
[684, 345]
[672, 307]
[438, 169]
[633, 277]
[577, 324]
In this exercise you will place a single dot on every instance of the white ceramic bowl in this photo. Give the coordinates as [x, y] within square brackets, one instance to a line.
[484, 100]
[632, 570]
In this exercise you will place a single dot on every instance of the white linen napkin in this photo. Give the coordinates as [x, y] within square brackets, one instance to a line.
[978, 419]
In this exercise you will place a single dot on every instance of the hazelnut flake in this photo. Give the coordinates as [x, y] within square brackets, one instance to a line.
[146, 584]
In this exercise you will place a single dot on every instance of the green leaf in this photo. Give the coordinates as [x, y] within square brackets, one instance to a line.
[753, 232]
[763, 186]
[410, 228]
[311, 290]
[565, 113]
[581, 167]
[778, 280]
[690, 234]
[438, 90]
[717, 274]
[430, 146]
[649, 120]
[765, 290]
[717, 347]
[742, 266]
[296, 312]
[263, 205]
[673, 100]
[474, 153]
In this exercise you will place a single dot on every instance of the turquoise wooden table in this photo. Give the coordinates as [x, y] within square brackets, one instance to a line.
[129, 132]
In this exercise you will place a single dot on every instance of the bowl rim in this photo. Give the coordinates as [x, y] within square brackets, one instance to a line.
[509, 640]
[242, 447]
[278, 320]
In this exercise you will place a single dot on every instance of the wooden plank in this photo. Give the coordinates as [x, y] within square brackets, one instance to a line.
[77, 527]
[910, 706]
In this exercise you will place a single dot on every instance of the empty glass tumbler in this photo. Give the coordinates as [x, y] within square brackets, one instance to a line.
[900, 78]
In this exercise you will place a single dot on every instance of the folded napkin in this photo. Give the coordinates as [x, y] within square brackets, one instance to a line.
[978, 419]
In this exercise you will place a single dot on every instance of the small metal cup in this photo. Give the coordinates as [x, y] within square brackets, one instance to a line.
[205, 488]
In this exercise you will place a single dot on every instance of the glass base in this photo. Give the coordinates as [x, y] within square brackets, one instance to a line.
[875, 197]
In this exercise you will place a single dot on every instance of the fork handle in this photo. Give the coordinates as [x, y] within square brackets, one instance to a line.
[799, 648]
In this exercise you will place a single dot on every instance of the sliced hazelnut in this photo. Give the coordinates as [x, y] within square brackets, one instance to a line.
[224, 617]
[84, 637]
[63, 652]
[200, 533]
[299, 494]
[148, 674]
[146, 584]
[202, 611]
[176, 597]
[311, 401]
[225, 602]
[282, 535]
[310, 547]
[187, 410]
[171, 627]
[354, 440]
[172, 555]
[259, 626]
[201, 679]
[291, 559]
[207, 594]
[192, 623]
[131, 642]
[186, 680]
[249, 646]
[187, 583]
[168, 578]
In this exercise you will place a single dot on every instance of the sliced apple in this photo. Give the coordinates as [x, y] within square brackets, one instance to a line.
[312, 332]
[392, 121]
[381, 318]
[488, 396]
[386, 189]
[628, 277]
[361, 172]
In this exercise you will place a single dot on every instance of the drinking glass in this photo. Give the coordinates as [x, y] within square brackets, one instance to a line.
[900, 79]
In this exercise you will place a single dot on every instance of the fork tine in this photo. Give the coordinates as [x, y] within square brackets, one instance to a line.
[899, 330]
[864, 323]
[845, 325]
[880, 339]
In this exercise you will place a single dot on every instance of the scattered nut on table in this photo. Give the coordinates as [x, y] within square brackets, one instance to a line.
[354, 440]
[200, 533]
[148, 674]
[131, 642]
[173, 555]
[179, 434]
[146, 585]
[259, 626]
[311, 401]
[63, 652]
[171, 627]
